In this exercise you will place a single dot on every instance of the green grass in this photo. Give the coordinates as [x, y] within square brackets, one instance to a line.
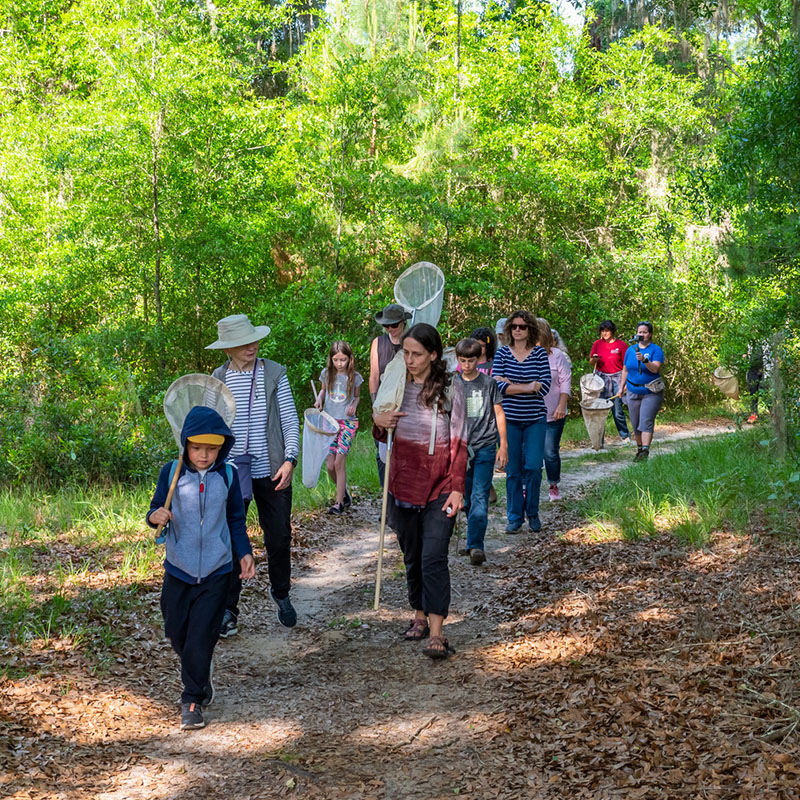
[728, 483]
[575, 434]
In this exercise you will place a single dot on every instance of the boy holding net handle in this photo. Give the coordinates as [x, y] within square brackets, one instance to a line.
[206, 520]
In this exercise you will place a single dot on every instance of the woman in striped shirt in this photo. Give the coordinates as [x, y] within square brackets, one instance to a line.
[522, 371]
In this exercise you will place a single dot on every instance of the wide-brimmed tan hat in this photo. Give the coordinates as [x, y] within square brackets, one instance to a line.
[392, 314]
[236, 330]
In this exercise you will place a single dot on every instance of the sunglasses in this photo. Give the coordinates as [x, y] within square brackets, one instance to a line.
[516, 327]
[393, 325]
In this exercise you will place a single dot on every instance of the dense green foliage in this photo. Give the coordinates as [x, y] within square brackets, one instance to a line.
[166, 163]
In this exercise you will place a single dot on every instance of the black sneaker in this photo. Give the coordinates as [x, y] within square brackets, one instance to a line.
[191, 717]
[209, 693]
[535, 523]
[287, 616]
[641, 454]
[337, 509]
[476, 556]
[230, 626]
[348, 501]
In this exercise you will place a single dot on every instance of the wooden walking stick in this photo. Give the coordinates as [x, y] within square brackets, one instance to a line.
[384, 506]
[168, 501]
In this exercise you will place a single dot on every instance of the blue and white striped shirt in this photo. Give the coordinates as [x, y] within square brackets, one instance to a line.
[239, 383]
[523, 409]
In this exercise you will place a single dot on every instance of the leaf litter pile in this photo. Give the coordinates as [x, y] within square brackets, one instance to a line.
[586, 668]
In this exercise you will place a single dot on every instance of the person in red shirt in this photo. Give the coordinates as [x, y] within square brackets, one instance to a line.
[607, 358]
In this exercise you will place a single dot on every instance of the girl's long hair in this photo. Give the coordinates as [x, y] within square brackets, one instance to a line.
[530, 321]
[340, 346]
[433, 390]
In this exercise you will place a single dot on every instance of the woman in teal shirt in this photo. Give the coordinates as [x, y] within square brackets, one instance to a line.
[642, 368]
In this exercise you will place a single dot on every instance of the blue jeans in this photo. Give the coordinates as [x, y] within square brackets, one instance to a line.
[552, 444]
[524, 469]
[618, 409]
[479, 482]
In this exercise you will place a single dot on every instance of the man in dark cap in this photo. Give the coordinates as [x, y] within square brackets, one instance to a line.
[381, 352]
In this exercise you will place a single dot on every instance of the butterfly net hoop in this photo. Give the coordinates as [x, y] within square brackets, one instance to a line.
[726, 382]
[592, 386]
[197, 390]
[319, 430]
[595, 413]
[420, 289]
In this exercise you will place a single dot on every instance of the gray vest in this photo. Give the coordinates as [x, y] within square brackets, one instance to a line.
[273, 372]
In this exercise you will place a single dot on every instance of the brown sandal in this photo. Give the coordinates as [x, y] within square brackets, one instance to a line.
[438, 647]
[416, 630]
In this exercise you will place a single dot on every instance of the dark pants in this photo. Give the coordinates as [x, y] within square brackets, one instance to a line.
[552, 445]
[478, 485]
[524, 470]
[754, 377]
[192, 617]
[424, 536]
[275, 517]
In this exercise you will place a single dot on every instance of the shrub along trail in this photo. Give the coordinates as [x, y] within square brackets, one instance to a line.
[587, 667]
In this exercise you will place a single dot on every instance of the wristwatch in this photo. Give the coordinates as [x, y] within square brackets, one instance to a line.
[292, 460]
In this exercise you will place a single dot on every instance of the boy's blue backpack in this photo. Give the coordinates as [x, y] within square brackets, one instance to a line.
[227, 476]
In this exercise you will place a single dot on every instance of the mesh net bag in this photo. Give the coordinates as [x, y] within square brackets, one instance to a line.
[591, 386]
[318, 432]
[421, 290]
[393, 386]
[595, 413]
[726, 382]
[197, 390]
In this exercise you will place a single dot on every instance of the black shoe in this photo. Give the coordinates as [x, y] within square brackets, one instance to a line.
[209, 693]
[336, 509]
[513, 528]
[535, 523]
[191, 717]
[641, 454]
[348, 501]
[229, 627]
[287, 616]
[476, 556]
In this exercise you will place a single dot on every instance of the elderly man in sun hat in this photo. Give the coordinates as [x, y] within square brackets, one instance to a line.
[382, 350]
[267, 433]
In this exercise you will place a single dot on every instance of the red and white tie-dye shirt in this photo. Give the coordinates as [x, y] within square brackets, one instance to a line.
[416, 477]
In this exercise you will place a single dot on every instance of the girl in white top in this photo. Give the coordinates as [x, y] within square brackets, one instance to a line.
[339, 395]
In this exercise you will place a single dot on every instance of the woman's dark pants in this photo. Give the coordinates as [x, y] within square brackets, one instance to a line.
[275, 517]
[424, 536]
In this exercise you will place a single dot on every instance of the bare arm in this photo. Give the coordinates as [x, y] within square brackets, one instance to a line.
[374, 368]
[523, 388]
[502, 453]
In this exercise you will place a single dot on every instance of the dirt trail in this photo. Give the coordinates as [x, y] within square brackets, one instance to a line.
[341, 706]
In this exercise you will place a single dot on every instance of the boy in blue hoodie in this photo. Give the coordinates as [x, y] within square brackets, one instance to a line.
[206, 524]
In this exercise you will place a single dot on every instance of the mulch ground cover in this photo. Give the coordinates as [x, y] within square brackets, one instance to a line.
[587, 668]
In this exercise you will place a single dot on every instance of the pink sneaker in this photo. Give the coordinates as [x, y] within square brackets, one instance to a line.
[553, 492]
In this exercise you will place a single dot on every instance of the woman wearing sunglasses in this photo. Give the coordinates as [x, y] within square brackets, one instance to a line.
[522, 371]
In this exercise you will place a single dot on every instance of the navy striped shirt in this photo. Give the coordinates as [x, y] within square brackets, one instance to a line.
[523, 409]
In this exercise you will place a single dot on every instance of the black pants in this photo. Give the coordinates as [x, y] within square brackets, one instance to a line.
[275, 517]
[192, 616]
[424, 536]
[754, 377]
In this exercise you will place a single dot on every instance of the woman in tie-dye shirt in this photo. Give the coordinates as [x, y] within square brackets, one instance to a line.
[426, 480]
